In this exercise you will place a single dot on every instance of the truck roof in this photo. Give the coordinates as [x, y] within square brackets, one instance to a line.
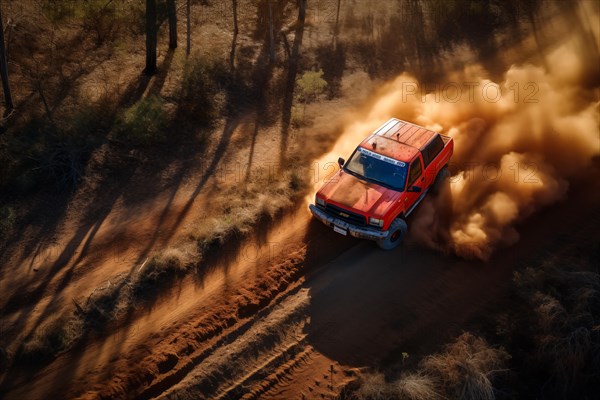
[398, 139]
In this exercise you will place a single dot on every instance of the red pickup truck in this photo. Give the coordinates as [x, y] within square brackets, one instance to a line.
[386, 177]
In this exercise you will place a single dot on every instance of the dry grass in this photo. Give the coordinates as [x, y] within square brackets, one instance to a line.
[242, 210]
[464, 370]
[466, 367]
[50, 338]
[417, 386]
[564, 294]
[374, 387]
[412, 386]
[550, 312]
[566, 355]
[166, 265]
[106, 305]
[567, 341]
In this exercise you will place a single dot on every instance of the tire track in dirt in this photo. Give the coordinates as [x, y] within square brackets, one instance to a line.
[412, 300]
[274, 335]
[257, 357]
[190, 344]
[399, 297]
[180, 350]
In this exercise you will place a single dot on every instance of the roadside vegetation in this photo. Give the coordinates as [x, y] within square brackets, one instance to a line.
[103, 307]
[109, 305]
[546, 343]
[553, 330]
[87, 117]
[465, 369]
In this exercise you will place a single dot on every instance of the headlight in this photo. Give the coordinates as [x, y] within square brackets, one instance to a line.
[376, 222]
[320, 202]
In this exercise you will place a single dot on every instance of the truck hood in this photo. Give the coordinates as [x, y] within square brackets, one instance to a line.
[349, 191]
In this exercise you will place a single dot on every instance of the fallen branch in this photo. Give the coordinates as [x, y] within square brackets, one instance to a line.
[79, 308]
[144, 263]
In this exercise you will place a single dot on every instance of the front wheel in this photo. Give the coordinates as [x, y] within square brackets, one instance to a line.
[397, 230]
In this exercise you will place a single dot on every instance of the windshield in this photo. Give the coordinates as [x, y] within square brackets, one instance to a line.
[377, 168]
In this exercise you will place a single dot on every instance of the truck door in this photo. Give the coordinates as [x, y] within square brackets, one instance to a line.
[416, 179]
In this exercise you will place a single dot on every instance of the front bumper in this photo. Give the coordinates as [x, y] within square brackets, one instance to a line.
[353, 230]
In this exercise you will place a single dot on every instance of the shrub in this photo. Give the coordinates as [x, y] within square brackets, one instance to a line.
[416, 386]
[297, 118]
[145, 122]
[311, 85]
[462, 371]
[242, 210]
[373, 387]
[108, 303]
[70, 144]
[199, 88]
[105, 305]
[49, 339]
[560, 341]
[413, 386]
[465, 367]
[160, 268]
[40, 150]
[100, 18]
[59, 11]
[567, 355]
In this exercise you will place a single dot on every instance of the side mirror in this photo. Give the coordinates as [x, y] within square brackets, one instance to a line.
[341, 162]
[416, 189]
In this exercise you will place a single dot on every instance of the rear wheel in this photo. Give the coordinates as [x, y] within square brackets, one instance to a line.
[440, 179]
[397, 230]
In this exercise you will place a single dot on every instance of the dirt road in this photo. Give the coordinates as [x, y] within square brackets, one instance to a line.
[367, 306]
[296, 313]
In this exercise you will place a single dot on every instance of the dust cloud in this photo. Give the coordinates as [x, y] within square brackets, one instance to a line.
[518, 141]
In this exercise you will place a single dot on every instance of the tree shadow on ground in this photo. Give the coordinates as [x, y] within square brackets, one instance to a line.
[290, 83]
[184, 157]
[121, 177]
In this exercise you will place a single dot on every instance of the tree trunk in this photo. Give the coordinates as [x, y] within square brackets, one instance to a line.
[235, 35]
[151, 37]
[271, 35]
[235, 17]
[288, 94]
[4, 71]
[337, 17]
[302, 11]
[172, 14]
[188, 44]
[336, 30]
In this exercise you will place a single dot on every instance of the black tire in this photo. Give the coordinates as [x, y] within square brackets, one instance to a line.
[440, 180]
[397, 230]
